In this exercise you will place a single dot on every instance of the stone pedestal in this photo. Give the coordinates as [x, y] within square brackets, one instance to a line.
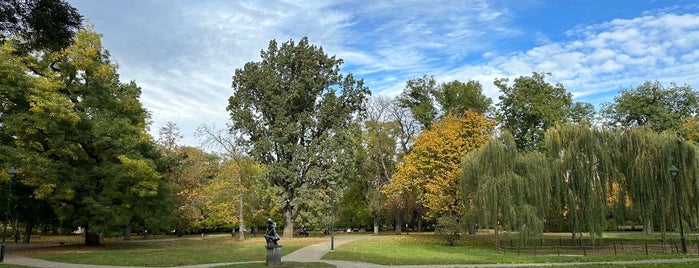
[274, 256]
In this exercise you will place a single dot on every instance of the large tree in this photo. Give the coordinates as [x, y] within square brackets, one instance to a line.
[293, 108]
[530, 106]
[429, 101]
[654, 106]
[83, 133]
[429, 175]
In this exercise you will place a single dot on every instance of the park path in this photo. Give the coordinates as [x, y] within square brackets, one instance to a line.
[315, 252]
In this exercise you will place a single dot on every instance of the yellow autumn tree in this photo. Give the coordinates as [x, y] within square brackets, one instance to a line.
[232, 184]
[429, 173]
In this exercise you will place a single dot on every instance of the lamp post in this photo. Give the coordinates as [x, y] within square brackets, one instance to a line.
[332, 227]
[12, 171]
[674, 171]
[331, 187]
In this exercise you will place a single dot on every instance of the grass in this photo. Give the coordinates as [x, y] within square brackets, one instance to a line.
[413, 249]
[424, 249]
[168, 252]
[283, 265]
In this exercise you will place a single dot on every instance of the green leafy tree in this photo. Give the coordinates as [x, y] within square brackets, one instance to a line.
[83, 132]
[417, 96]
[456, 97]
[429, 101]
[653, 105]
[506, 188]
[530, 106]
[39, 24]
[294, 108]
[583, 170]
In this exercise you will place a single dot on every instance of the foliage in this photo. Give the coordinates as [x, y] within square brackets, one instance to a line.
[506, 188]
[584, 177]
[429, 174]
[653, 105]
[294, 108]
[583, 171]
[644, 158]
[429, 102]
[417, 96]
[39, 24]
[78, 137]
[188, 170]
[455, 97]
[448, 229]
[222, 197]
[530, 106]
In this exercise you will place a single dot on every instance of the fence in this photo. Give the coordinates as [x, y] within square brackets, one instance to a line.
[583, 249]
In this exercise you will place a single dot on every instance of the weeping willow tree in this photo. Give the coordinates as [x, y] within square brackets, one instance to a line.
[582, 171]
[583, 176]
[502, 186]
[645, 158]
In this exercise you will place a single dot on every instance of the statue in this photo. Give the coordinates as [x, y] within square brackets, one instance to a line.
[271, 236]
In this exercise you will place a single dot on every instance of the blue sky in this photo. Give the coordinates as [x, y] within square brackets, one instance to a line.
[183, 53]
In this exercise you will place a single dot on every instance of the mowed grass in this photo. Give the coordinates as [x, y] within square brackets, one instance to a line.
[413, 249]
[426, 249]
[169, 252]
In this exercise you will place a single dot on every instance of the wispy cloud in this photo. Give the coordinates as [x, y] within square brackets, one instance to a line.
[183, 53]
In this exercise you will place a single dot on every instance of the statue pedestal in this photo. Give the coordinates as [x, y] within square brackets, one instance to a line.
[274, 255]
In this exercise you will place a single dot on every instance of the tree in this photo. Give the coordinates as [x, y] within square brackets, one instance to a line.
[530, 106]
[228, 142]
[417, 96]
[429, 101]
[582, 171]
[83, 132]
[653, 105]
[39, 24]
[431, 170]
[294, 108]
[377, 155]
[456, 97]
[227, 191]
[504, 187]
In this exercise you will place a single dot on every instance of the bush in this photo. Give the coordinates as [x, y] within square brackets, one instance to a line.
[448, 229]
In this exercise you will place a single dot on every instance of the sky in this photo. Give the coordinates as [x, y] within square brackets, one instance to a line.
[183, 53]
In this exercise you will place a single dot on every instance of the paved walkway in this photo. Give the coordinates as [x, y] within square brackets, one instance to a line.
[314, 253]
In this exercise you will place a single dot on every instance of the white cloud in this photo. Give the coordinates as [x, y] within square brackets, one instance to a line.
[183, 53]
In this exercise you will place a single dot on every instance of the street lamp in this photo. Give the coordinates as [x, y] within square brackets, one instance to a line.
[331, 187]
[12, 172]
[332, 227]
[674, 171]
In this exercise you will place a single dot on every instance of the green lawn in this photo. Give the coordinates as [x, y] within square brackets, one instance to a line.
[169, 252]
[413, 249]
[426, 249]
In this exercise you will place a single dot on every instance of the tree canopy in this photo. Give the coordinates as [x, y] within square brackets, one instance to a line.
[530, 106]
[429, 174]
[294, 108]
[654, 106]
[83, 132]
[39, 24]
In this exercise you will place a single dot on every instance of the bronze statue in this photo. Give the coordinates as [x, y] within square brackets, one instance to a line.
[271, 236]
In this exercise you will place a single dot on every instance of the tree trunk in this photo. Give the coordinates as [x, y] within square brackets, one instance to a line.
[376, 225]
[288, 223]
[127, 233]
[399, 222]
[419, 221]
[91, 239]
[241, 220]
[28, 232]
